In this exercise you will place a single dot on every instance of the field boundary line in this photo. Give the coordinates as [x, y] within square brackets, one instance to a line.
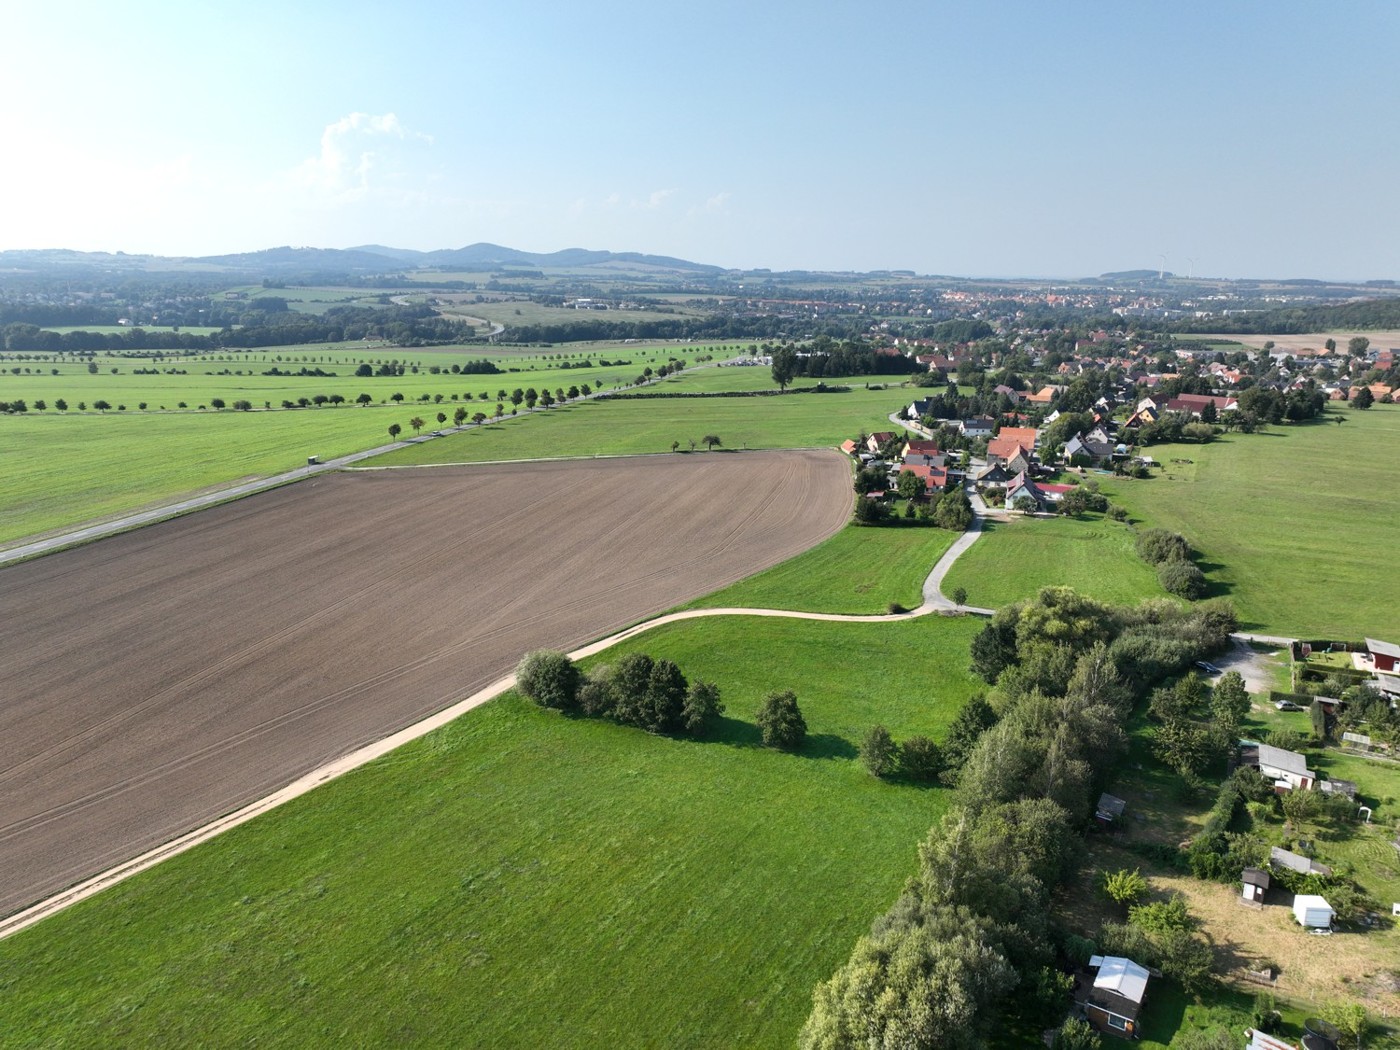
[34, 913]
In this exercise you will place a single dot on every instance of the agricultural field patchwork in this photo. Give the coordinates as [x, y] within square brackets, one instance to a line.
[703, 887]
[243, 646]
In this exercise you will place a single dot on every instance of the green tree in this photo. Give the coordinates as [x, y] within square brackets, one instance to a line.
[1363, 399]
[878, 752]
[1124, 886]
[416, 423]
[549, 678]
[459, 415]
[61, 405]
[784, 366]
[1183, 745]
[910, 486]
[217, 403]
[1229, 700]
[442, 417]
[364, 399]
[920, 759]
[1358, 345]
[702, 708]
[959, 596]
[924, 985]
[666, 693]
[954, 511]
[780, 721]
[710, 441]
[394, 431]
[974, 718]
[516, 396]
[1350, 1018]
[1077, 1034]
[675, 445]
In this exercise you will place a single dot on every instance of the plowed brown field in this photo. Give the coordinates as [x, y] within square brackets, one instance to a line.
[158, 679]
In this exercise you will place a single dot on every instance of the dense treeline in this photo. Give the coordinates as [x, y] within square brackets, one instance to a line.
[1373, 313]
[970, 942]
[256, 327]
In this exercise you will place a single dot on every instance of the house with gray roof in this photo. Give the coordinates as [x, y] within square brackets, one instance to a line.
[1287, 769]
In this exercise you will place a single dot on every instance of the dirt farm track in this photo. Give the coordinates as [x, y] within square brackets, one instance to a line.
[158, 679]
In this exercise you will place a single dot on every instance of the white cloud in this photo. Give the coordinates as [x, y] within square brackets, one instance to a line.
[360, 153]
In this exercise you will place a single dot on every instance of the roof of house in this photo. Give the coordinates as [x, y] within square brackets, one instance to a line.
[881, 436]
[848, 446]
[1111, 805]
[1117, 974]
[1288, 761]
[1256, 877]
[1382, 648]
[1004, 448]
[1293, 862]
[922, 447]
[1336, 786]
[1026, 437]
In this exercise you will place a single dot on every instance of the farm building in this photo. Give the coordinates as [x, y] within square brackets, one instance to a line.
[1313, 912]
[1256, 884]
[1287, 769]
[1112, 998]
[1384, 655]
[1282, 858]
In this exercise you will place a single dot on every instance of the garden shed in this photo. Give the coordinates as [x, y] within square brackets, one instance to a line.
[1313, 912]
[1256, 882]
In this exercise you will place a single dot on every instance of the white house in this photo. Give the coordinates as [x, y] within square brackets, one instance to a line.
[1288, 769]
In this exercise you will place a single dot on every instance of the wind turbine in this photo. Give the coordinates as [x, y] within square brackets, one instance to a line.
[1190, 269]
[1162, 273]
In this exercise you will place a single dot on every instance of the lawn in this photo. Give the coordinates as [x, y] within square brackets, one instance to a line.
[1015, 559]
[628, 427]
[522, 879]
[1290, 523]
[859, 570]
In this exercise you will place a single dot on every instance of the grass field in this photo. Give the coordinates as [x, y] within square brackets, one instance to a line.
[1291, 524]
[859, 570]
[622, 427]
[521, 879]
[61, 471]
[1015, 559]
[62, 468]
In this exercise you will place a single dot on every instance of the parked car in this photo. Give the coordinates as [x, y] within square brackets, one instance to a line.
[1288, 705]
[1207, 667]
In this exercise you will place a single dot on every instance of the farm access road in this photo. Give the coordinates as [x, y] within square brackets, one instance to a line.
[162, 678]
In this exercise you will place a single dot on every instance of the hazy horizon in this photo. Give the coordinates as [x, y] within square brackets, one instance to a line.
[1046, 142]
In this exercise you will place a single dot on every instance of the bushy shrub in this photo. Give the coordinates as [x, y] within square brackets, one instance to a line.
[549, 678]
[878, 752]
[920, 759]
[1156, 546]
[781, 722]
[1182, 579]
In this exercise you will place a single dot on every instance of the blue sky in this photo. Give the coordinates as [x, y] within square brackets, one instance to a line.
[1041, 139]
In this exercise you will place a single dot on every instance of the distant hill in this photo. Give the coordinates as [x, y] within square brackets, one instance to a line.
[1132, 275]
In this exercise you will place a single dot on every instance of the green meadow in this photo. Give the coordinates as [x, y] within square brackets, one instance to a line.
[64, 468]
[630, 427]
[521, 879]
[1014, 559]
[1295, 525]
[859, 570]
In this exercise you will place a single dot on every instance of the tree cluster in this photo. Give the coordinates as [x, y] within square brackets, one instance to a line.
[918, 758]
[970, 937]
[1170, 555]
[636, 691]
